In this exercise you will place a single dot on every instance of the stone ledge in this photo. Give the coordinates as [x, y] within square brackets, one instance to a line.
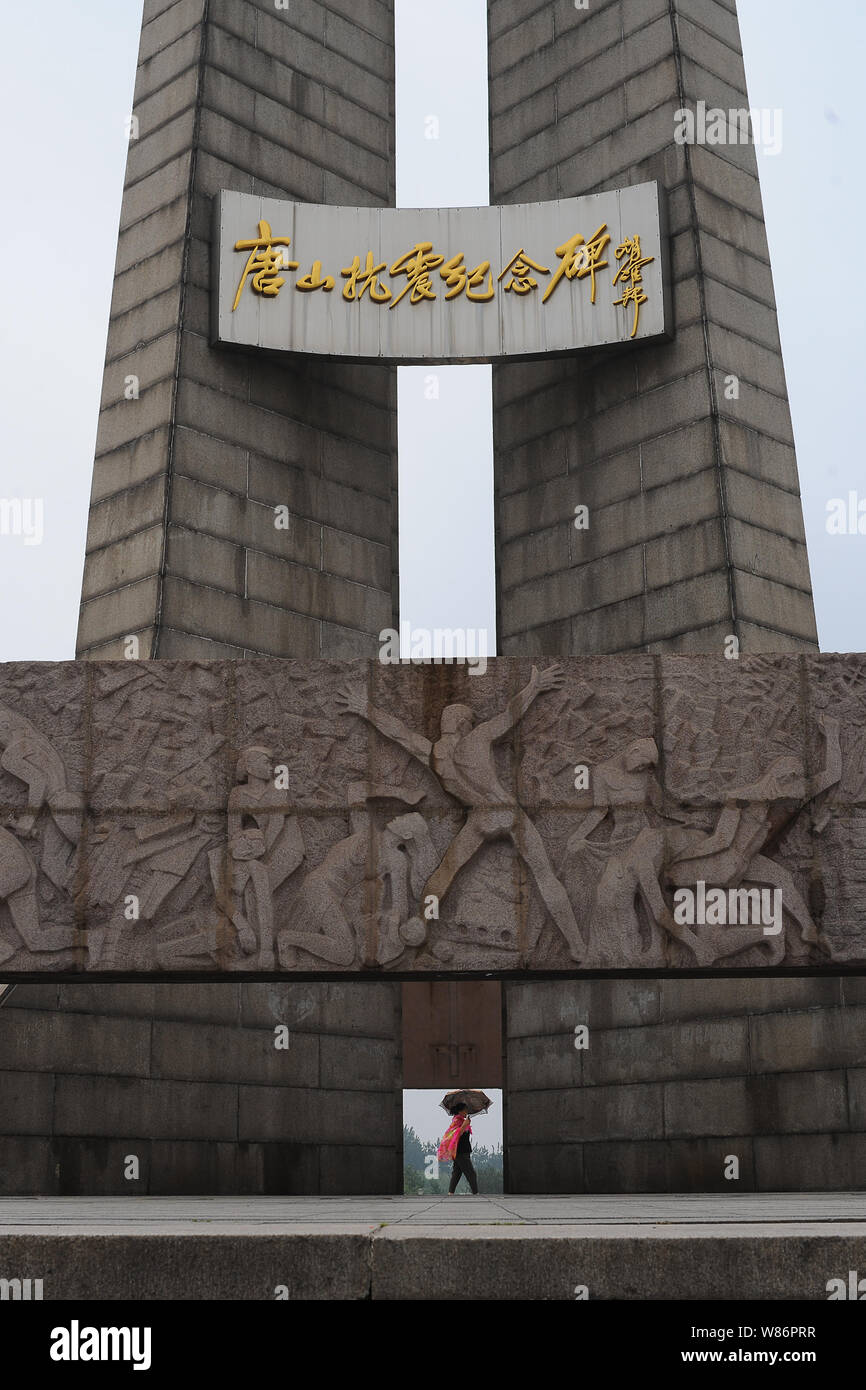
[489, 1248]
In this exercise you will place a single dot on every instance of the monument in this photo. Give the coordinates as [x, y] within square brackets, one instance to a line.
[652, 813]
[658, 781]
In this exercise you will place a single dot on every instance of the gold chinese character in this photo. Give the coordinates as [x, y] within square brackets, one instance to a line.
[416, 266]
[368, 278]
[315, 281]
[580, 258]
[460, 278]
[629, 274]
[520, 265]
[265, 261]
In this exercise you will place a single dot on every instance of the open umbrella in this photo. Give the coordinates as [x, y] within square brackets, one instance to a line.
[476, 1102]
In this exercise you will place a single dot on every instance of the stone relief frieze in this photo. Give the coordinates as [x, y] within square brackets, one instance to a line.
[324, 817]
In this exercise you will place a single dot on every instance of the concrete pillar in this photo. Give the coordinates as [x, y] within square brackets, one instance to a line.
[195, 448]
[696, 533]
[695, 527]
[182, 549]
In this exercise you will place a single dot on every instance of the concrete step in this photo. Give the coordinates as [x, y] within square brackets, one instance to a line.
[774, 1246]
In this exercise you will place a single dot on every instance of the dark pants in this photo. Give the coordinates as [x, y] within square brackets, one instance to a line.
[463, 1164]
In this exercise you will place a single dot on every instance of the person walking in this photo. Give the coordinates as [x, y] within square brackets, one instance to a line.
[460, 1129]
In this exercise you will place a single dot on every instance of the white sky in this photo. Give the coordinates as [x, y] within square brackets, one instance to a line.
[63, 103]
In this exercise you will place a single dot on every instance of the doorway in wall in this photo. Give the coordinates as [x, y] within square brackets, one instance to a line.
[452, 1040]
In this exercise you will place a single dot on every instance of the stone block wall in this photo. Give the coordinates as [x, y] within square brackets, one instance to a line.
[183, 553]
[695, 528]
[182, 549]
[188, 1080]
[696, 533]
[677, 1076]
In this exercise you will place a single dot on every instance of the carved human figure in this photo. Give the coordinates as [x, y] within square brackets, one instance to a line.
[462, 759]
[27, 754]
[150, 860]
[256, 800]
[391, 862]
[615, 875]
[18, 876]
[265, 846]
[248, 899]
[756, 818]
[612, 876]
[406, 858]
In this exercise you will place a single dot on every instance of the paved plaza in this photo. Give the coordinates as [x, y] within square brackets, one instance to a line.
[775, 1246]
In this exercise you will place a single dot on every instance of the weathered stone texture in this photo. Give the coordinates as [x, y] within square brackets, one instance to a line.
[203, 445]
[680, 1076]
[188, 1080]
[300, 817]
[581, 100]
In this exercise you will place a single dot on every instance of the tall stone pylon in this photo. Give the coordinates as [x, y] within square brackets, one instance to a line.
[227, 1088]
[683, 452]
[196, 448]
